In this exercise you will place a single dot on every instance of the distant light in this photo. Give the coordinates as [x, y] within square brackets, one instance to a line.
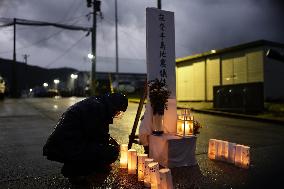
[90, 56]
[213, 51]
[74, 76]
[31, 90]
[45, 84]
[56, 81]
[55, 106]
[227, 78]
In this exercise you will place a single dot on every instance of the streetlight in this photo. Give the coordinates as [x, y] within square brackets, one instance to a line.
[90, 56]
[73, 78]
[56, 81]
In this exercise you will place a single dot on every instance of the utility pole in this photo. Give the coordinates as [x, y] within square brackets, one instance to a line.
[116, 42]
[25, 56]
[159, 4]
[96, 4]
[14, 80]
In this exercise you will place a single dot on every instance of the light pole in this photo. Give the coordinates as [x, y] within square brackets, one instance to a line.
[96, 5]
[56, 82]
[73, 78]
[159, 4]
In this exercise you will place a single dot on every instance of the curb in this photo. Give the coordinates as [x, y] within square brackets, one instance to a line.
[233, 115]
[239, 116]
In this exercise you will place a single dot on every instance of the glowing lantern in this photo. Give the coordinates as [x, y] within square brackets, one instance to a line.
[245, 157]
[238, 155]
[141, 166]
[147, 172]
[185, 124]
[154, 174]
[166, 179]
[132, 161]
[212, 148]
[232, 152]
[224, 150]
[123, 155]
[218, 150]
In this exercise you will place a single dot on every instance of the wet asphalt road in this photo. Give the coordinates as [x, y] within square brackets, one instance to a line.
[26, 123]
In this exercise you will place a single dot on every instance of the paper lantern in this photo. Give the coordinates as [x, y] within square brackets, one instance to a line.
[166, 181]
[231, 152]
[132, 161]
[147, 181]
[224, 150]
[212, 148]
[238, 155]
[154, 174]
[184, 125]
[218, 150]
[141, 166]
[245, 157]
[123, 155]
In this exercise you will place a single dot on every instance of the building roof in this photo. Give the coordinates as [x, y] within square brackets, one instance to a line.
[231, 49]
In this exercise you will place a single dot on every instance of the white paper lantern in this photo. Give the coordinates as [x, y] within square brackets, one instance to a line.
[141, 166]
[154, 174]
[123, 155]
[238, 155]
[245, 157]
[166, 179]
[232, 152]
[147, 181]
[212, 148]
[218, 150]
[224, 150]
[132, 161]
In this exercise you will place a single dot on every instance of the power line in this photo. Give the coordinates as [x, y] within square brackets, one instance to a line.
[39, 41]
[65, 52]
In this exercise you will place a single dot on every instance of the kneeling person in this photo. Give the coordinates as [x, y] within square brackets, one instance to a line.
[81, 138]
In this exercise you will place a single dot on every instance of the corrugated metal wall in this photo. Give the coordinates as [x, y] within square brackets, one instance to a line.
[212, 75]
[238, 67]
[191, 81]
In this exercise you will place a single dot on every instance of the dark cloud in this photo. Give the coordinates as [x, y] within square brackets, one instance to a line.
[200, 25]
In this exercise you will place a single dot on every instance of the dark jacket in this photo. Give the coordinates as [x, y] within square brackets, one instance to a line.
[82, 133]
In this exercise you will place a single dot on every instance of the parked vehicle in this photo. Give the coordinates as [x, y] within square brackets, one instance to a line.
[124, 86]
[2, 88]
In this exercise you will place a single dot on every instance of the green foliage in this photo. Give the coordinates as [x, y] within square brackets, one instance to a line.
[158, 94]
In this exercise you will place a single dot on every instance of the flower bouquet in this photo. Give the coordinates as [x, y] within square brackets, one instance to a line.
[158, 94]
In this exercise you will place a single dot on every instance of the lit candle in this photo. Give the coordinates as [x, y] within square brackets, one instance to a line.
[147, 180]
[154, 174]
[238, 155]
[166, 179]
[141, 166]
[185, 128]
[245, 157]
[123, 155]
[212, 148]
[132, 161]
[232, 152]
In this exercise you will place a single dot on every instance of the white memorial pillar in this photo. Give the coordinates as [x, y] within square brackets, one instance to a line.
[160, 45]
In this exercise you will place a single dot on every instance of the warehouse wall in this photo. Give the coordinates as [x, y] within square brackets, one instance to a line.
[196, 78]
[191, 81]
[212, 75]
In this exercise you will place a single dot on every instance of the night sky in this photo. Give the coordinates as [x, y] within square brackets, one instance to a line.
[200, 25]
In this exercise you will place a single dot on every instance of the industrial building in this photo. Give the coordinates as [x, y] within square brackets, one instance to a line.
[242, 72]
